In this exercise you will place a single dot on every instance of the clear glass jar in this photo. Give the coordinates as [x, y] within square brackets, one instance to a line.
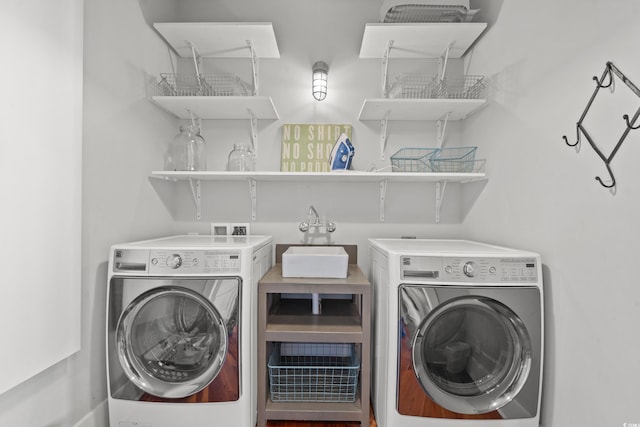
[241, 159]
[187, 151]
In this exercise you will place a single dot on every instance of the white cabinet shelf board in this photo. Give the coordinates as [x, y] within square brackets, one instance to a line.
[418, 109]
[219, 107]
[220, 39]
[421, 40]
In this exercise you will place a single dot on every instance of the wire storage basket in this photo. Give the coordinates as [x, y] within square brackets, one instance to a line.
[206, 84]
[410, 85]
[465, 87]
[447, 160]
[404, 13]
[313, 372]
[422, 86]
[412, 160]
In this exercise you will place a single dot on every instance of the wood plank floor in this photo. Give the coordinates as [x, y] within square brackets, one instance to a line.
[372, 423]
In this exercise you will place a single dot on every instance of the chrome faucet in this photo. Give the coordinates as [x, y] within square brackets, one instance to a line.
[314, 212]
[305, 225]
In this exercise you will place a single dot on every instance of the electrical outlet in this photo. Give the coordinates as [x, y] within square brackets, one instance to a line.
[242, 229]
[220, 229]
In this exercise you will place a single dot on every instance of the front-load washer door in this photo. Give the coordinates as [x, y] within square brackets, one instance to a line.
[471, 353]
[171, 341]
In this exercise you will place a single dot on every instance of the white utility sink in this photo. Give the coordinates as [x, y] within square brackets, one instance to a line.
[315, 261]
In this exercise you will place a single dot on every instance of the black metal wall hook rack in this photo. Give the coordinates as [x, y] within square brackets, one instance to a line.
[608, 74]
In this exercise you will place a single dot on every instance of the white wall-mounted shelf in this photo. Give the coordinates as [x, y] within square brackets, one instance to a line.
[252, 178]
[418, 109]
[420, 40]
[220, 39]
[352, 176]
[219, 107]
[417, 41]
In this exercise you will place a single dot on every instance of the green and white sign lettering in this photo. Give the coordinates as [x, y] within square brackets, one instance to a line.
[307, 147]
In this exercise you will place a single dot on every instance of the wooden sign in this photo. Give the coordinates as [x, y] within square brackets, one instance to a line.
[307, 147]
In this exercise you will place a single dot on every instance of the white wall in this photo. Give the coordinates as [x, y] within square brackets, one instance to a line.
[123, 137]
[542, 196]
[40, 166]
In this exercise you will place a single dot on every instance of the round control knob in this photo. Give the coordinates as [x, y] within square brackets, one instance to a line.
[469, 269]
[448, 269]
[174, 261]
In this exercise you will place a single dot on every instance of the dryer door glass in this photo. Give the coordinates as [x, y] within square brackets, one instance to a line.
[171, 341]
[472, 354]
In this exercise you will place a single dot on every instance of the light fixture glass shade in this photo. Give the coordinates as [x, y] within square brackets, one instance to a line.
[320, 71]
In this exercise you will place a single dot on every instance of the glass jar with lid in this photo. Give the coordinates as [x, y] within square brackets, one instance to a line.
[187, 150]
[241, 159]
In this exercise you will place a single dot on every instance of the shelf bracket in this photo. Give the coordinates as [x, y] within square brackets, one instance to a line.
[442, 61]
[196, 193]
[253, 195]
[203, 87]
[440, 187]
[254, 67]
[385, 67]
[253, 122]
[197, 59]
[196, 121]
[383, 196]
[441, 129]
[384, 126]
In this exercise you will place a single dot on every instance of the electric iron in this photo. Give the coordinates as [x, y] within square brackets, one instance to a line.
[342, 154]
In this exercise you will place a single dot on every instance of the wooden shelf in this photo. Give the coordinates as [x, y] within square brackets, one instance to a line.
[281, 319]
[319, 411]
[291, 320]
[420, 40]
[219, 107]
[220, 39]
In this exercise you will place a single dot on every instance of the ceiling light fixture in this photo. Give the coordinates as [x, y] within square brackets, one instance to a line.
[320, 71]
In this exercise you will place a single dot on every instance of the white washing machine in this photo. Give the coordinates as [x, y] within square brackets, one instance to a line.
[458, 332]
[181, 333]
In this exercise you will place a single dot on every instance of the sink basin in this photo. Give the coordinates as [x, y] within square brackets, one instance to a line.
[315, 261]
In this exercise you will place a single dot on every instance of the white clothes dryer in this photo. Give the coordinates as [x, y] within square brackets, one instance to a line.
[458, 333]
[181, 330]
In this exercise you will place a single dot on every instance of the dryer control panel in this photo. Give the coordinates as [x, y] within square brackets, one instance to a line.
[177, 261]
[469, 269]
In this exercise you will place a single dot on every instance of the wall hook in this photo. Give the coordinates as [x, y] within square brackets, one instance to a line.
[566, 141]
[626, 119]
[599, 82]
[613, 178]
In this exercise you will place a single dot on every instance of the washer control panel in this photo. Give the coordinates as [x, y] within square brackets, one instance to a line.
[469, 269]
[177, 261]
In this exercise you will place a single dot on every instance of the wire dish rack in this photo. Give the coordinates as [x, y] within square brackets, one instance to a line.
[439, 160]
[312, 372]
[206, 84]
[415, 85]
